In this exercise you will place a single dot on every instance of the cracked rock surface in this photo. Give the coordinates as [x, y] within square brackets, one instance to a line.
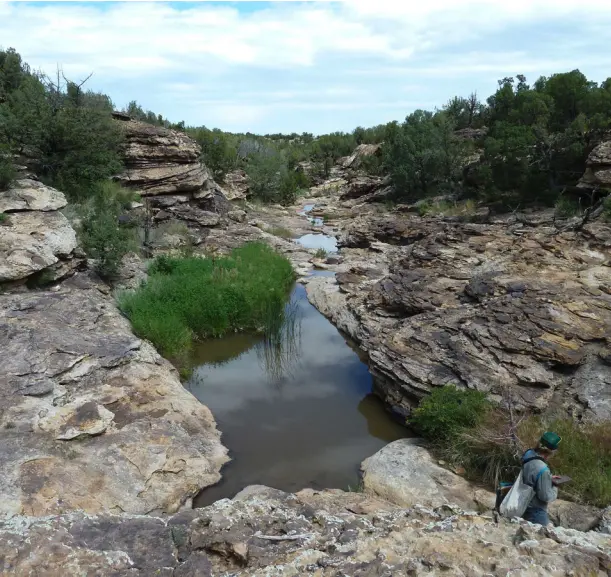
[91, 417]
[265, 532]
[35, 236]
[508, 303]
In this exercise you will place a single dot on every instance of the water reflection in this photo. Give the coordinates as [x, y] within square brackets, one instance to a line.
[316, 241]
[295, 408]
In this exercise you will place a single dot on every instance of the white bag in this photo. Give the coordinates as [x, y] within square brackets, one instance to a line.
[517, 500]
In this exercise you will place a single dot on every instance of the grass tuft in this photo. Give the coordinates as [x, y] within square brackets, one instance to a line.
[195, 298]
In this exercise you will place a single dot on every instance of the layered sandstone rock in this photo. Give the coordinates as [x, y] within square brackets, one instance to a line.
[509, 305]
[264, 532]
[598, 167]
[34, 235]
[91, 417]
[161, 161]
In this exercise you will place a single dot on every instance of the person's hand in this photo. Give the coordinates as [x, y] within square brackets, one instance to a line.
[555, 478]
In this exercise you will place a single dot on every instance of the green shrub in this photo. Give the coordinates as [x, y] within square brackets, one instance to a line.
[607, 209]
[447, 411]
[103, 237]
[4, 218]
[320, 253]
[7, 172]
[191, 298]
[567, 207]
[468, 431]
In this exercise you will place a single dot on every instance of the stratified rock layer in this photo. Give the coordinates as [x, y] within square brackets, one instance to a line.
[512, 304]
[161, 161]
[265, 532]
[598, 167]
[34, 235]
[92, 418]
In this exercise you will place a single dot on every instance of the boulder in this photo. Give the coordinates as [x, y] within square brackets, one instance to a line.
[360, 186]
[406, 474]
[160, 160]
[237, 215]
[91, 417]
[35, 235]
[263, 531]
[27, 194]
[235, 185]
[356, 158]
[574, 515]
[598, 167]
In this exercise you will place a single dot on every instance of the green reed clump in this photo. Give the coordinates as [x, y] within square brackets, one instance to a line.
[192, 298]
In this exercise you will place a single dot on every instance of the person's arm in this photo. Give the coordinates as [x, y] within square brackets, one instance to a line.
[546, 491]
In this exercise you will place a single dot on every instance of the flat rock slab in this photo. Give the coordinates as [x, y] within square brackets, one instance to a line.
[263, 532]
[91, 417]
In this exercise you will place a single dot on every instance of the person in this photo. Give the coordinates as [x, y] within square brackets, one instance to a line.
[536, 473]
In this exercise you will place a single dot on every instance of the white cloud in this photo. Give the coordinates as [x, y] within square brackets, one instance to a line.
[304, 66]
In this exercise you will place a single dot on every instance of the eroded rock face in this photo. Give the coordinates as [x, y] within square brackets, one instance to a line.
[34, 236]
[92, 418]
[236, 185]
[511, 304]
[598, 167]
[265, 532]
[161, 161]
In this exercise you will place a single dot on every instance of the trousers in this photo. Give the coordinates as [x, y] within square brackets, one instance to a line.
[536, 515]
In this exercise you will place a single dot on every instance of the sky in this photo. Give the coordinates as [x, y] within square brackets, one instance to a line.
[318, 67]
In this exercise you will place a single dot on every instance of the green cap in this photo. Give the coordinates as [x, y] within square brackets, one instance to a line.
[550, 440]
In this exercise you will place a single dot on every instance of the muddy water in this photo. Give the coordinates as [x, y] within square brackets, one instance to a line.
[295, 412]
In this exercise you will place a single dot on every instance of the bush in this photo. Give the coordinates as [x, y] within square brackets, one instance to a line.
[467, 430]
[447, 411]
[567, 207]
[103, 237]
[4, 218]
[192, 298]
[7, 172]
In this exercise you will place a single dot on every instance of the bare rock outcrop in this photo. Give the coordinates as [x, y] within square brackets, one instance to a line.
[235, 185]
[91, 417]
[509, 305]
[406, 474]
[598, 167]
[160, 160]
[34, 235]
[362, 151]
[263, 531]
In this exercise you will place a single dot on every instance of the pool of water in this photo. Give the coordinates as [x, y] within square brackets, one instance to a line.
[316, 241]
[295, 411]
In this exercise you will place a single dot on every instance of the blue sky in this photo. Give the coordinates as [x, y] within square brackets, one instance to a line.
[306, 66]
